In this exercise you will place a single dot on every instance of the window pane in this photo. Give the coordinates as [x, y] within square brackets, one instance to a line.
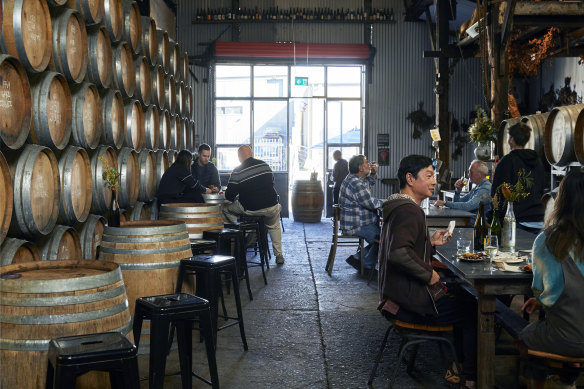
[347, 153]
[344, 81]
[307, 81]
[270, 81]
[232, 81]
[227, 158]
[270, 138]
[344, 122]
[232, 124]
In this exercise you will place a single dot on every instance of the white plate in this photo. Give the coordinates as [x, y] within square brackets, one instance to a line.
[508, 260]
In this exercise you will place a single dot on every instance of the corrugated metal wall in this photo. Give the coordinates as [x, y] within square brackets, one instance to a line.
[401, 78]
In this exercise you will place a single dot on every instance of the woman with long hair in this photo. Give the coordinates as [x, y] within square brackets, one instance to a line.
[177, 184]
[558, 277]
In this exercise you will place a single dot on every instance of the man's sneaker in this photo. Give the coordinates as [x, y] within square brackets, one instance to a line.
[354, 262]
[280, 259]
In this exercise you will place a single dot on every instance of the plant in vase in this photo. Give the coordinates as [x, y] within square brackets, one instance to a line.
[513, 193]
[110, 178]
[483, 132]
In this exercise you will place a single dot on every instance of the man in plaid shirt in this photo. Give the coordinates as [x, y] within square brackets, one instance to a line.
[359, 208]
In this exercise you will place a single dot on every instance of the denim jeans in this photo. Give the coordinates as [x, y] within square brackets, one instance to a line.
[370, 232]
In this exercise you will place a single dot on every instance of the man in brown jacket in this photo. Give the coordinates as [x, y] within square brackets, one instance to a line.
[407, 281]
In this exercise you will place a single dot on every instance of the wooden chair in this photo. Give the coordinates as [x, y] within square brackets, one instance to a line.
[339, 239]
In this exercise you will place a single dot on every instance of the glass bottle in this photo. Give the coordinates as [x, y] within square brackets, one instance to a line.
[480, 229]
[508, 232]
[496, 225]
[114, 215]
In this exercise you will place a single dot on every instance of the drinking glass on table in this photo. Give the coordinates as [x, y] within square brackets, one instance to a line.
[491, 248]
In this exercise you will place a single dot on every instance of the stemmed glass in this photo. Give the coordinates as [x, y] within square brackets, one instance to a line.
[491, 248]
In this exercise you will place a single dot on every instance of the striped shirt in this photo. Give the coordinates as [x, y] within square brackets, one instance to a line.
[253, 181]
[358, 206]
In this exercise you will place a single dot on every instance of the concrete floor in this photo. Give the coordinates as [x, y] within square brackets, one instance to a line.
[308, 330]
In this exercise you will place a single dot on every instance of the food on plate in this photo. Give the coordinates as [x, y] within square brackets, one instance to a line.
[473, 255]
[527, 268]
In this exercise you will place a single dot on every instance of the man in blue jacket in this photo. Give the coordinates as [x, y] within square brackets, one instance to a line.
[204, 170]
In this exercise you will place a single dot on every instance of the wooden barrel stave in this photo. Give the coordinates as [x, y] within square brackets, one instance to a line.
[132, 26]
[87, 116]
[124, 73]
[90, 235]
[175, 133]
[129, 177]
[135, 131]
[161, 165]
[158, 94]
[165, 130]
[100, 57]
[198, 217]
[170, 93]
[92, 11]
[14, 92]
[69, 44]
[113, 19]
[147, 162]
[61, 244]
[6, 197]
[151, 127]
[163, 49]
[174, 64]
[149, 40]
[101, 196]
[14, 251]
[184, 67]
[143, 91]
[76, 185]
[113, 118]
[307, 201]
[181, 102]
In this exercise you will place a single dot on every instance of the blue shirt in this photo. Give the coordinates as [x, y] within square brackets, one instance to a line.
[470, 202]
[358, 206]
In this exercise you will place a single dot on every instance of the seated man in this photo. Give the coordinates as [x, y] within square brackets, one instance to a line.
[177, 184]
[481, 193]
[204, 170]
[253, 181]
[359, 208]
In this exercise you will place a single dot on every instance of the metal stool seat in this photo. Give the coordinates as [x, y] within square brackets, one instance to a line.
[252, 226]
[72, 356]
[200, 246]
[182, 310]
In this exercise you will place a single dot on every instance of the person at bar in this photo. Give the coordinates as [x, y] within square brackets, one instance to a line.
[529, 212]
[558, 279]
[177, 184]
[204, 170]
[340, 171]
[480, 193]
[358, 208]
[251, 192]
[406, 277]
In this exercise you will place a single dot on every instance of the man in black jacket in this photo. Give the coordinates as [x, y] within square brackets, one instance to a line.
[340, 171]
[204, 170]
[253, 182]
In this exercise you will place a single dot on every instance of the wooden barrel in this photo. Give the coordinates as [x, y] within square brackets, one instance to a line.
[113, 118]
[87, 113]
[180, 98]
[170, 93]
[43, 300]
[129, 177]
[184, 68]
[161, 165]
[151, 127]
[548, 200]
[165, 130]
[135, 131]
[143, 92]
[175, 133]
[92, 11]
[147, 162]
[537, 124]
[6, 197]
[113, 19]
[163, 49]
[27, 33]
[101, 196]
[35, 179]
[69, 44]
[51, 110]
[124, 73]
[100, 55]
[190, 102]
[579, 138]
[174, 59]
[307, 201]
[187, 110]
[14, 93]
[193, 132]
[76, 185]
[158, 96]
[198, 217]
[503, 136]
[14, 251]
[61, 244]
[559, 134]
[140, 211]
[186, 125]
[132, 31]
[149, 40]
[172, 154]
[90, 234]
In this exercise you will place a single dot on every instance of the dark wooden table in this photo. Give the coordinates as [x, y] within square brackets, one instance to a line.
[487, 284]
[440, 217]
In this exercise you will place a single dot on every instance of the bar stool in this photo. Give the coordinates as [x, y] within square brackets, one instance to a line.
[252, 226]
[181, 309]
[224, 237]
[543, 363]
[72, 356]
[199, 246]
[263, 234]
[208, 270]
[412, 335]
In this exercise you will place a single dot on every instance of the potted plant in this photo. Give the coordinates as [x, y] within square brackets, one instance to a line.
[484, 133]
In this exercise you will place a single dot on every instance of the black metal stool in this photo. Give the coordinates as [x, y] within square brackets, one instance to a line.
[199, 246]
[224, 237]
[72, 356]
[208, 269]
[247, 226]
[263, 234]
[181, 309]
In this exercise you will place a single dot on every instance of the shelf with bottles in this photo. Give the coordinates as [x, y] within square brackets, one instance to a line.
[277, 15]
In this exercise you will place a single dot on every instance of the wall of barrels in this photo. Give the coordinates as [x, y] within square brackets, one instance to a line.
[84, 84]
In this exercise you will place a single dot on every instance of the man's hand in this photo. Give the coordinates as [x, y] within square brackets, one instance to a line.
[530, 305]
[213, 188]
[434, 279]
[439, 238]
[208, 191]
[439, 203]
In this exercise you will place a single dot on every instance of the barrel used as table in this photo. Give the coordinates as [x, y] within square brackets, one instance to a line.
[198, 217]
[307, 201]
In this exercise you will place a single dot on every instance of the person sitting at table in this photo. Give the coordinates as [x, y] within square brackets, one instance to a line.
[358, 208]
[253, 182]
[406, 276]
[177, 184]
[529, 212]
[340, 171]
[558, 278]
[481, 193]
[204, 170]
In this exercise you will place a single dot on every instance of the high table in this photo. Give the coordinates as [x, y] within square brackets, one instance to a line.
[487, 284]
[441, 216]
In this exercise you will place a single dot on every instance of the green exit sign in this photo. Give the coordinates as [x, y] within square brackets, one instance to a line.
[301, 81]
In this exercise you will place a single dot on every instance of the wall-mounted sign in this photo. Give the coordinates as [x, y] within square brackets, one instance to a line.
[382, 140]
[301, 81]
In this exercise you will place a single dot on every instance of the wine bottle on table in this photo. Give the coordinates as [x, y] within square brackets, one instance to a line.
[480, 229]
[114, 214]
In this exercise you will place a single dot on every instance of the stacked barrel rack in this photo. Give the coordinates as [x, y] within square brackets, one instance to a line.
[84, 85]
